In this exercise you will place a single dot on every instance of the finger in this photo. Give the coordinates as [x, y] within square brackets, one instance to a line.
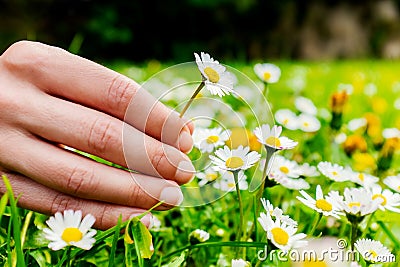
[40, 198]
[79, 176]
[65, 75]
[107, 137]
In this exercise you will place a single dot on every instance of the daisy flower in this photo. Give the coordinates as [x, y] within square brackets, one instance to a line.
[209, 175]
[358, 201]
[198, 236]
[373, 251]
[328, 205]
[280, 165]
[217, 80]
[291, 183]
[277, 212]
[364, 179]
[240, 263]
[308, 170]
[283, 236]
[305, 105]
[227, 182]
[308, 123]
[393, 182]
[70, 230]
[391, 133]
[334, 172]
[267, 72]
[270, 137]
[389, 200]
[208, 139]
[235, 159]
[287, 118]
[356, 124]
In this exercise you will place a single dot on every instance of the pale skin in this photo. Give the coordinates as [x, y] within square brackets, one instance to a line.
[50, 97]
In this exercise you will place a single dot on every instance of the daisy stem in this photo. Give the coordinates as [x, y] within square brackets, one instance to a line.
[241, 218]
[354, 230]
[264, 177]
[391, 236]
[317, 219]
[201, 85]
[265, 91]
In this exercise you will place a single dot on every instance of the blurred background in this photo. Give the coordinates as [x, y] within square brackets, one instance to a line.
[244, 30]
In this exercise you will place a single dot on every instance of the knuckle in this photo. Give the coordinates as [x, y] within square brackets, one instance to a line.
[63, 202]
[103, 135]
[120, 92]
[157, 157]
[80, 181]
[26, 54]
[135, 195]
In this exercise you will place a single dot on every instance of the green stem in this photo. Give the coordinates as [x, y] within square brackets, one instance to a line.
[265, 91]
[354, 230]
[241, 218]
[317, 219]
[201, 85]
[264, 177]
[368, 225]
[391, 236]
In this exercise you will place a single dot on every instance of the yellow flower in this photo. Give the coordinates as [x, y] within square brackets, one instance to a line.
[354, 143]
[243, 137]
[363, 162]
[338, 100]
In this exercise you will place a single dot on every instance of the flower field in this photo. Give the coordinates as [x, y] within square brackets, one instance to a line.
[297, 165]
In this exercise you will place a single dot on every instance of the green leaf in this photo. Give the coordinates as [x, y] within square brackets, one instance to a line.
[39, 257]
[3, 204]
[114, 242]
[177, 262]
[142, 238]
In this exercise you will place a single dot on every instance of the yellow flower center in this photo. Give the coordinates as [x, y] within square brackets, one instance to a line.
[267, 76]
[284, 169]
[354, 204]
[273, 141]
[334, 173]
[285, 121]
[398, 188]
[280, 236]
[231, 185]
[71, 234]
[212, 74]
[323, 205]
[234, 162]
[212, 139]
[306, 124]
[361, 177]
[211, 176]
[373, 253]
[380, 196]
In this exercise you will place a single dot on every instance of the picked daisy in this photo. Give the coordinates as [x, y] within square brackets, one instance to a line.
[358, 201]
[267, 72]
[236, 159]
[217, 80]
[227, 182]
[308, 170]
[328, 205]
[206, 140]
[270, 138]
[390, 200]
[373, 251]
[277, 212]
[209, 175]
[283, 236]
[70, 230]
[334, 171]
[287, 119]
[393, 182]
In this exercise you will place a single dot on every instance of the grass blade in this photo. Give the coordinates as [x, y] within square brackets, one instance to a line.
[114, 242]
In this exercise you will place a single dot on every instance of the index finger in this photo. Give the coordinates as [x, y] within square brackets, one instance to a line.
[59, 73]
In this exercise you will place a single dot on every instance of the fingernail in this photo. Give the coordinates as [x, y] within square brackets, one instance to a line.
[172, 195]
[185, 171]
[185, 141]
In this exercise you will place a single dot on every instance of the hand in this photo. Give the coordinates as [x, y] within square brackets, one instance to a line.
[50, 98]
